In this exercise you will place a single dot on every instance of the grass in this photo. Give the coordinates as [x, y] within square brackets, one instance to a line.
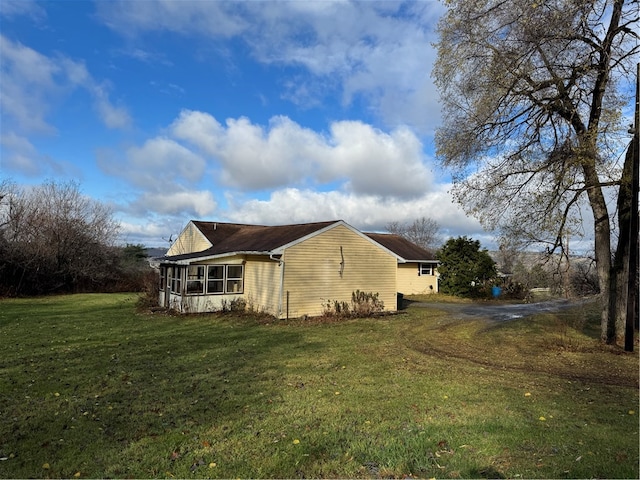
[93, 388]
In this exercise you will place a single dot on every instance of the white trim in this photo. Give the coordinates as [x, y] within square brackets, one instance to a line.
[189, 261]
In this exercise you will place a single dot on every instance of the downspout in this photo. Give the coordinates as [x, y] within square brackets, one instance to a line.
[281, 293]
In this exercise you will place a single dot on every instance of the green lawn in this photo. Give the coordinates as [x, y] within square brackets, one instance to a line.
[92, 388]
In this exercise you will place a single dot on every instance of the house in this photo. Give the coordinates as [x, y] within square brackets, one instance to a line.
[417, 268]
[287, 270]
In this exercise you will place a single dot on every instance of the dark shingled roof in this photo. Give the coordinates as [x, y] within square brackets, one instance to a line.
[402, 247]
[235, 237]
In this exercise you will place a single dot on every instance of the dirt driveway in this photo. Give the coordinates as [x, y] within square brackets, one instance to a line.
[502, 312]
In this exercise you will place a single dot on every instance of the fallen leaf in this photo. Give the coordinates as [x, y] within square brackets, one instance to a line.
[46, 466]
[632, 412]
[528, 394]
[542, 419]
[76, 475]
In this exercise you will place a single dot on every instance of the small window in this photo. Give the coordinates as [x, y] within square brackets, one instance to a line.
[215, 279]
[425, 269]
[195, 279]
[234, 278]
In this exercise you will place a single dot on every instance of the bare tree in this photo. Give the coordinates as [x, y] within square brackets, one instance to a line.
[532, 95]
[53, 238]
[424, 232]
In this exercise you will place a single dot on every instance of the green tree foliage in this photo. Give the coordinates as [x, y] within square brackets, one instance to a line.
[465, 270]
[532, 95]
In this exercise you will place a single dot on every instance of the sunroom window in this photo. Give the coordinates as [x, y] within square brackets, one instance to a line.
[195, 279]
[163, 278]
[176, 279]
[234, 278]
[215, 279]
[225, 279]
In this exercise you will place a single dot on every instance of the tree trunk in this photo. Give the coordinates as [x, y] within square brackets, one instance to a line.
[602, 240]
[620, 267]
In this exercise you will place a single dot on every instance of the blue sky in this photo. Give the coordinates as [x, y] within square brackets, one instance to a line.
[253, 112]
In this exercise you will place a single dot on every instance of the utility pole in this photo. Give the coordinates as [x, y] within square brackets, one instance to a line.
[632, 296]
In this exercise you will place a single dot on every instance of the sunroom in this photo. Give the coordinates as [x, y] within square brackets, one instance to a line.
[194, 287]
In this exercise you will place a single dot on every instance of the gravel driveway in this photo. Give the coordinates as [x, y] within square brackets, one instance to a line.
[504, 312]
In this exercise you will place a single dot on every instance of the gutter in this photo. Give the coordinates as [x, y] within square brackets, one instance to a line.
[193, 257]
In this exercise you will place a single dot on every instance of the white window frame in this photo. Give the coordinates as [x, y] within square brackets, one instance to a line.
[176, 280]
[427, 269]
[231, 285]
[234, 284]
[195, 279]
[215, 279]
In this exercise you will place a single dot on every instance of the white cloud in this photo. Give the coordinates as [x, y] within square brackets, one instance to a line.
[380, 51]
[376, 162]
[29, 80]
[367, 212]
[15, 8]
[215, 19]
[20, 155]
[32, 83]
[160, 164]
[111, 115]
[364, 160]
[186, 203]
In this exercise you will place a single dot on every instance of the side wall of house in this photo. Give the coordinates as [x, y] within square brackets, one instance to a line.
[410, 282]
[332, 265]
[262, 284]
[190, 240]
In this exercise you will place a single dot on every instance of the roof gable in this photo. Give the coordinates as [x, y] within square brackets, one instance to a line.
[234, 238]
[229, 238]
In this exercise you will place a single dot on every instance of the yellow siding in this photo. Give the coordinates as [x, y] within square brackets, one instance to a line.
[410, 283]
[189, 241]
[312, 271]
[262, 284]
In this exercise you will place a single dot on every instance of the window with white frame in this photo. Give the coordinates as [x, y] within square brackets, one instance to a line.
[176, 279]
[234, 278]
[425, 269]
[215, 279]
[195, 279]
[225, 279]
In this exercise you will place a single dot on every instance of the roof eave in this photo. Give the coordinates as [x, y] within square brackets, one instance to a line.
[188, 261]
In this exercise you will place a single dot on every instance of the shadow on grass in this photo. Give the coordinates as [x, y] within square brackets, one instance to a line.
[97, 389]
